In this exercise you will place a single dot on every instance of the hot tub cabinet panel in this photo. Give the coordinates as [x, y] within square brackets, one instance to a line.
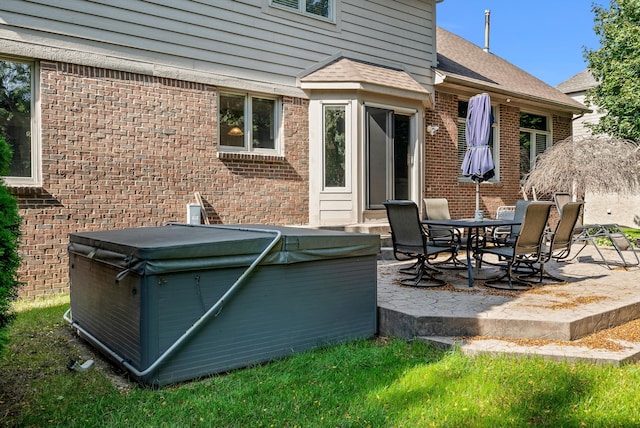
[134, 295]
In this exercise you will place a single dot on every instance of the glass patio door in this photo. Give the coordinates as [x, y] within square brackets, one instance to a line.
[387, 143]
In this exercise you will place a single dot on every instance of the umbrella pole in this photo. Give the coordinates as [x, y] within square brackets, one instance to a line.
[478, 214]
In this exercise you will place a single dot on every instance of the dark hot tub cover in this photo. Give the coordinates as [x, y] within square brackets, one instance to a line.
[179, 247]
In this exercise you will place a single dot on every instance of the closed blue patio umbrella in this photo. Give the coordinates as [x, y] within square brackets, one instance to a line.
[478, 162]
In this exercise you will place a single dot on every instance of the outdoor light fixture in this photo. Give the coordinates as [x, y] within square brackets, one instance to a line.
[433, 129]
[235, 132]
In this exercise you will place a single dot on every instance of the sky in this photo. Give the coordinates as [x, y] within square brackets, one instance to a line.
[545, 38]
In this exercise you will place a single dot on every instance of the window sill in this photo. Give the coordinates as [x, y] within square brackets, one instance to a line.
[240, 156]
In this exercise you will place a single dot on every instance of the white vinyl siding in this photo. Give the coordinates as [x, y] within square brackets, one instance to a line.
[581, 123]
[224, 43]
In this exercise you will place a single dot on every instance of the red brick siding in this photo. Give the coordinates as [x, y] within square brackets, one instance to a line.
[441, 163]
[562, 128]
[127, 150]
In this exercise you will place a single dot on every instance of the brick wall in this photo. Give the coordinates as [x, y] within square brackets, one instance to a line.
[562, 128]
[442, 169]
[126, 150]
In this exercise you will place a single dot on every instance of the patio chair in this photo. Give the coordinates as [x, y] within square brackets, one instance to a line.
[411, 241]
[561, 199]
[438, 209]
[504, 212]
[525, 252]
[586, 234]
[557, 244]
[509, 233]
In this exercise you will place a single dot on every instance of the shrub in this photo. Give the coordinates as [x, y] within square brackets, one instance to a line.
[9, 240]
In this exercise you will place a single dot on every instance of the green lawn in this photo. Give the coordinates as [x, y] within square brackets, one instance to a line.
[371, 383]
[632, 234]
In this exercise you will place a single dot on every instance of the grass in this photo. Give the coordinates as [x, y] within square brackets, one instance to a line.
[370, 383]
[632, 235]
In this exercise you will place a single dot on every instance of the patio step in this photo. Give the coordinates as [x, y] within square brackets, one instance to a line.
[548, 321]
[552, 351]
[381, 228]
[376, 228]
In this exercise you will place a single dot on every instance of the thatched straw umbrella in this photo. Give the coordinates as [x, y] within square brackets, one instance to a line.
[599, 164]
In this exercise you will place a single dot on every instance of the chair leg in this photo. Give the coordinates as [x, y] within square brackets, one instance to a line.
[546, 274]
[423, 278]
[513, 282]
[540, 275]
[452, 263]
[411, 270]
[414, 269]
[452, 259]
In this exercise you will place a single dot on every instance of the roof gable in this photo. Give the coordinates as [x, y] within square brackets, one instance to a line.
[578, 83]
[348, 73]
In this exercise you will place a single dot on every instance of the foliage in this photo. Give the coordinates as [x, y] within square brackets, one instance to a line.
[334, 146]
[616, 67]
[9, 237]
[15, 114]
[368, 383]
[595, 163]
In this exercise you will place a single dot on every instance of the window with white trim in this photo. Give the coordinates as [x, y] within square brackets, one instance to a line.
[535, 138]
[314, 8]
[463, 107]
[249, 123]
[18, 119]
[334, 145]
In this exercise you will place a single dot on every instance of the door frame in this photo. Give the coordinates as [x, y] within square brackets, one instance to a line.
[415, 152]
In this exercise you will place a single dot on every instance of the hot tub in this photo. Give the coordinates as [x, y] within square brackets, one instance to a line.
[178, 302]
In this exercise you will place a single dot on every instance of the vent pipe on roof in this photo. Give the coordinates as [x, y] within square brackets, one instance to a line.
[487, 14]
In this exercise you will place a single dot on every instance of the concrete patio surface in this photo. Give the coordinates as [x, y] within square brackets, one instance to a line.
[548, 320]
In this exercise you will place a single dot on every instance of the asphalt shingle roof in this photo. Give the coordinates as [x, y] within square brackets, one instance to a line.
[463, 61]
[349, 70]
[578, 83]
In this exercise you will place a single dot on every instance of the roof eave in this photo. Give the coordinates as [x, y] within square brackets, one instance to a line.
[451, 80]
[422, 95]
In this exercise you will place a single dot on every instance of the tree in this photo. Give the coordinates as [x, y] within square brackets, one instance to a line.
[596, 163]
[616, 69]
[9, 238]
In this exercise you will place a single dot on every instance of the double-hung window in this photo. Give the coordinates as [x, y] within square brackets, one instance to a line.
[249, 123]
[463, 107]
[18, 119]
[535, 138]
[314, 8]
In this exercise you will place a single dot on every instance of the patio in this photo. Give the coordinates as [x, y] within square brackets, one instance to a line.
[548, 320]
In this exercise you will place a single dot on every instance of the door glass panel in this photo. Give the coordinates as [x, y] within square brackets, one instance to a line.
[402, 133]
[377, 136]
